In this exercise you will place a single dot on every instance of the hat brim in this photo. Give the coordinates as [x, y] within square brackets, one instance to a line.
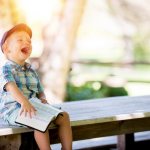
[18, 27]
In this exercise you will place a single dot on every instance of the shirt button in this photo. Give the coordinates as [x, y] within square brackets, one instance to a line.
[23, 68]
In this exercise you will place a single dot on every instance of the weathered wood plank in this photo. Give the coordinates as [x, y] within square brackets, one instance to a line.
[108, 142]
[11, 142]
[100, 117]
[100, 111]
[106, 129]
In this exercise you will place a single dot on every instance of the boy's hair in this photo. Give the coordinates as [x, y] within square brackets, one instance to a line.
[18, 27]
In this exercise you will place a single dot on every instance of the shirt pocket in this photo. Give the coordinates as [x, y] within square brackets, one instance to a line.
[20, 79]
[32, 82]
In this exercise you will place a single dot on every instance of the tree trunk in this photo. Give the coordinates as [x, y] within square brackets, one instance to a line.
[59, 42]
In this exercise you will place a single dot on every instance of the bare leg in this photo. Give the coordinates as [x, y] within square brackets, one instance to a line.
[42, 139]
[65, 131]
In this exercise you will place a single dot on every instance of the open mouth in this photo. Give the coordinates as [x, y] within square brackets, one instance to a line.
[25, 50]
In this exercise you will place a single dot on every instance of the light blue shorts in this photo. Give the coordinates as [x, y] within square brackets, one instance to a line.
[11, 115]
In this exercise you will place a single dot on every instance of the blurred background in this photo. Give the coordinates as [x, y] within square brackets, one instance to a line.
[85, 49]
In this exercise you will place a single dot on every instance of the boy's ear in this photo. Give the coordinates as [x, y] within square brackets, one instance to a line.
[4, 47]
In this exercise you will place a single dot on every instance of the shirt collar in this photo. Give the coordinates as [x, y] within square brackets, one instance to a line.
[26, 66]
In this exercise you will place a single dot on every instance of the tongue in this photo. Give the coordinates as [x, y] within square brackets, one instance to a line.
[25, 49]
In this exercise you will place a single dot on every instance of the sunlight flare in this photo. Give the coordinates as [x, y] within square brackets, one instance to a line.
[38, 11]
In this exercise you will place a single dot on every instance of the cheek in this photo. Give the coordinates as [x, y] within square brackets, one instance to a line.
[13, 46]
[30, 50]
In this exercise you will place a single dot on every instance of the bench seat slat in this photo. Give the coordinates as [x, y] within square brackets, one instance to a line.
[99, 117]
[100, 110]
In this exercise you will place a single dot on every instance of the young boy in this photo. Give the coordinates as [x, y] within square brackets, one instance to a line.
[19, 82]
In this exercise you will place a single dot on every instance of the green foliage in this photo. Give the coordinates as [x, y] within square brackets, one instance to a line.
[141, 47]
[87, 91]
[113, 91]
[140, 52]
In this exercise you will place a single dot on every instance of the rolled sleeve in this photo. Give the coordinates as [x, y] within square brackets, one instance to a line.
[6, 76]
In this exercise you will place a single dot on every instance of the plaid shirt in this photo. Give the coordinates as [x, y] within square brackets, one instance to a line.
[26, 79]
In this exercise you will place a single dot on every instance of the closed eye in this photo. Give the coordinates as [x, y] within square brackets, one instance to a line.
[19, 40]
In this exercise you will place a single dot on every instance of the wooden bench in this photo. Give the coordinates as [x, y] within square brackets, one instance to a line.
[122, 116]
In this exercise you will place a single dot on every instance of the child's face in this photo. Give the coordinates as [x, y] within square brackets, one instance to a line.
[18, 47]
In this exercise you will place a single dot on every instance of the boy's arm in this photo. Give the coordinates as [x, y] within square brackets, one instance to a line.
[42, 97]
[26, 107]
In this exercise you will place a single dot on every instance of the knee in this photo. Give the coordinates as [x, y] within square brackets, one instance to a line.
[65, 115]
[64, 118]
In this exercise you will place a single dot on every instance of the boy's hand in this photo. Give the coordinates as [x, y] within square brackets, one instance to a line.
[43, 100]
[26, 107]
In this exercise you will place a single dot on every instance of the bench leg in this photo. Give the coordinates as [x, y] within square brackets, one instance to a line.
[28, 142]
[11, 142]
[125, 142]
